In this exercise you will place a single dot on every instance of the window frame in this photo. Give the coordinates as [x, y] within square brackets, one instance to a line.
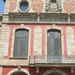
[51, 34]
[13, 40]
[21, 38]
[62, 37]
[23, 1]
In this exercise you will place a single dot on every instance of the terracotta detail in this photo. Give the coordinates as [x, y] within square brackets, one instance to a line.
[13, 4]
[69, 6]
[37, 5]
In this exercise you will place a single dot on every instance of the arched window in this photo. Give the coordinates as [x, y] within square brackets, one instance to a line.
[54, 44]
[21, 43]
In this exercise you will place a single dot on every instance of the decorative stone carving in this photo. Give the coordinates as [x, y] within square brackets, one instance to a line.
[72, 69]
[72, 17]
[53, 17]
[22, 16]
[37, 69]
[53, 6]
[59, 5]
[47, 5]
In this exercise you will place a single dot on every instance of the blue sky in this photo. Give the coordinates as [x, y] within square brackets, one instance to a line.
[2, 4]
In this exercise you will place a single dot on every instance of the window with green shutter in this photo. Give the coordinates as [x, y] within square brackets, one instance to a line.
[21, 43]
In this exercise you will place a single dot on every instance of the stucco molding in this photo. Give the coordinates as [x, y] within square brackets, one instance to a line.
[16, 70]
[55, 70]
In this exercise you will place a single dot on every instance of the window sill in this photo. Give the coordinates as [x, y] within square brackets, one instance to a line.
[18, 58]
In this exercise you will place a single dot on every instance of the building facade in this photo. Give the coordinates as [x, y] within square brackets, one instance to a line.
[37, 37]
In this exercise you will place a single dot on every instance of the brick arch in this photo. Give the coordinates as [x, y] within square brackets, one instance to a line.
[62, 38]
[16, 70]
[13, 38]
[55, 70]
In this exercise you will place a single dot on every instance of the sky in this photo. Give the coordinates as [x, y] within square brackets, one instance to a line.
[2, 4]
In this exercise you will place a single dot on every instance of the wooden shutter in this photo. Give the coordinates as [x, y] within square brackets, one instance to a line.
[21, 43]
